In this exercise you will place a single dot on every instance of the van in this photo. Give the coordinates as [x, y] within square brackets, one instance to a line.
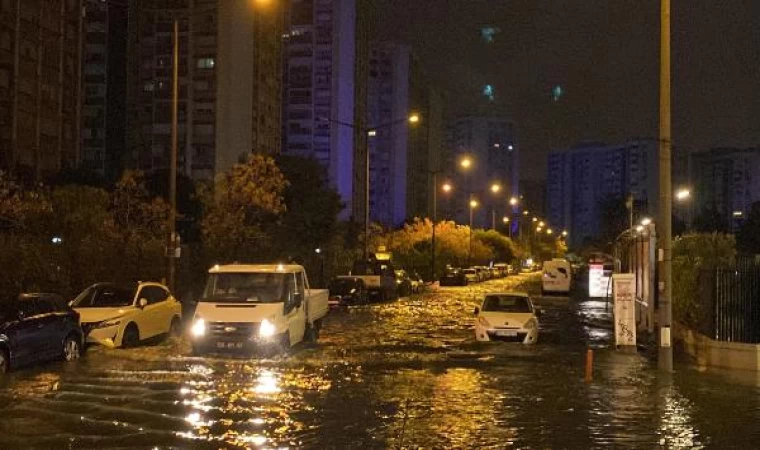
[556, 277]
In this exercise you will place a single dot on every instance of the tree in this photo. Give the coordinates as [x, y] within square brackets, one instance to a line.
[19, 207]
[311, 209]
[748, 238]
[235, 212]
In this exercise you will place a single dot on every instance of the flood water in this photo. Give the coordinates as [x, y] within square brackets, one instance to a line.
[406, 374]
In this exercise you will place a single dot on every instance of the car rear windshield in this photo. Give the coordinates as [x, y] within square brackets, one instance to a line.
[248, 287]
[507, 303]
[343, 286]
[105, 297]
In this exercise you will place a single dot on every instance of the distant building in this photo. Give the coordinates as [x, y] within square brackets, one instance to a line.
[40, 50]
[230, 83]
[104, 79]
[579, 178]
[326, 74]
[726, 180]
[490, 142]
[402, 155]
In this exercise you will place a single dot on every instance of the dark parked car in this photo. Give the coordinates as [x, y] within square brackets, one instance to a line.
[37, 327]
[347, 290]
[453, 276]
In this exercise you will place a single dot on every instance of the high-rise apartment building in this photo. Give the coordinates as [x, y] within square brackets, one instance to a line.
[726, 180]
[580, 178]
[230, 83]
[40, 48]
[104, 95]
[489, 142]
[326, 70]
[403, 155]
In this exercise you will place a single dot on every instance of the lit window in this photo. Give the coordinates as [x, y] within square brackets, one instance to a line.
[206, 63]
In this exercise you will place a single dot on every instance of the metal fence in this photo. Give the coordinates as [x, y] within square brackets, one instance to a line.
[729, 303]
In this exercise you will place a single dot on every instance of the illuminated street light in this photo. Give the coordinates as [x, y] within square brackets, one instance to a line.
[505, 219]
[526, 212]
[538, 229]
[414, 118]
[646, 221]
[495, 188]
[541, 224]
[447, 187]
[564, 233]
[473, 203]
[535, 219]
[372, 133]
[738, 213]
[549, 231]
[466, 162]
[683, 195]
[640, 228]
[514, 201]
[511, 147]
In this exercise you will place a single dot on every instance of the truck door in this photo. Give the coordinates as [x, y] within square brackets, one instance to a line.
[295, 308]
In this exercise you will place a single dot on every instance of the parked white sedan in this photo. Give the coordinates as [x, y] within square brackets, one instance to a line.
[508, 317]
[123, 315]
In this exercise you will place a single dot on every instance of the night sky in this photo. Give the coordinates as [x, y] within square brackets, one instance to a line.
[605, 56]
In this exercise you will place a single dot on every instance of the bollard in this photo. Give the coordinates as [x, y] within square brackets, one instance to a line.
[589, 365]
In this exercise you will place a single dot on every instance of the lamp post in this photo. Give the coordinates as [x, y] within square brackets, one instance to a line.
[495, 188]
[367, 133]
[446, 188]
[473, 205]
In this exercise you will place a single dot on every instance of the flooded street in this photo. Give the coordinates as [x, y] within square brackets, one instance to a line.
[406, 374]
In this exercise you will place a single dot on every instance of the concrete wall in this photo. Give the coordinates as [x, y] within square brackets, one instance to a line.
[727, 355]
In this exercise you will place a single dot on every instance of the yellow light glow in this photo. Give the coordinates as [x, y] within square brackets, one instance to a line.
[505, 219]
[514, 201]
[466, 163]
[446, 187]
[564, 233]
[541, 224]
[535, 219]
[526, 212]
[473, 203]
[683, 194]
[495, 188]
[549, 231]
[414, 118]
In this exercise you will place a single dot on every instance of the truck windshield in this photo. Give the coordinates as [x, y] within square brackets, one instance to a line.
[247, 287]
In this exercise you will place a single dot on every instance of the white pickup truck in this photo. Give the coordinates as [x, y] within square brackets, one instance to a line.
[248, 307]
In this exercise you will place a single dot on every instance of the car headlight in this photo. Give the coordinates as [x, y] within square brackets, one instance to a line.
[199, 327]
[107, 324]
[266, 329]
[483, 322]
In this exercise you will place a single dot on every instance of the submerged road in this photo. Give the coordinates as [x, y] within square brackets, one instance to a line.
[406, 374]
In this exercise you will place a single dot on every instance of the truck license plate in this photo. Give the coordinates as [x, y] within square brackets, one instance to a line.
[506, 333]
[229, 345]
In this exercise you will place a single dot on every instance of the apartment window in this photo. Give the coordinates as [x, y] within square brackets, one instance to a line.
[149, 86]
[205, 63]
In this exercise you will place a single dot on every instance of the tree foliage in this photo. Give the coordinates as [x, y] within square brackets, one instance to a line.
[748, 238]
[691, 254]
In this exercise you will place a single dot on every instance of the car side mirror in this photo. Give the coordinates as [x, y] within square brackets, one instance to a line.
[143, 303]
[477, 311]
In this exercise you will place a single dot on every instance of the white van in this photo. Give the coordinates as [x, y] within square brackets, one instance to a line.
[557, 277]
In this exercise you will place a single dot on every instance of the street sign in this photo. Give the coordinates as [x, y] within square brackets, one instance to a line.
[624, 295]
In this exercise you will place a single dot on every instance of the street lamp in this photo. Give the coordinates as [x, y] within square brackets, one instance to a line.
[495, 189]
[646, 221]
[473, 205]
[683, 194]
[514, 201]
[564, 233]
[466, 162]
[414, 118]
[505, 219]
[541, 224]
[446, 188]
[549, 231]
[535, 219]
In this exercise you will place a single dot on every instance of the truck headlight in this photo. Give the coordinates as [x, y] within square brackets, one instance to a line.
[199, 328]
[266, 329]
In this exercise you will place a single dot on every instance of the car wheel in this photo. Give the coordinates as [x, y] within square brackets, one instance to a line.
[4, 362]
[72, 348]
[175, 328]
[131, 336]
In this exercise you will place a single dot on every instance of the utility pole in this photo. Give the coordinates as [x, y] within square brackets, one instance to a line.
[665, 360]
[435, 220]
[171, 251]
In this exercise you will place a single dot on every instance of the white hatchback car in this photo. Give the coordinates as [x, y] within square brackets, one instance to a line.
[123, 315]
[509, 317]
